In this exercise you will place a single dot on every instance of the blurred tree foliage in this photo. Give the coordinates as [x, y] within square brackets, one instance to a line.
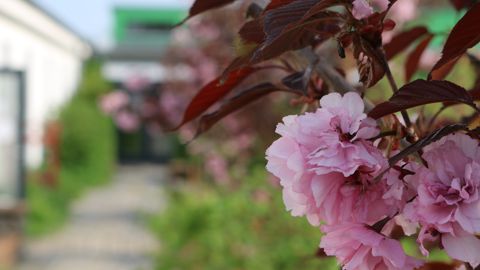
[87, 154]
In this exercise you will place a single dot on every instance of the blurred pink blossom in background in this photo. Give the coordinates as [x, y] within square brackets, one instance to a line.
[127, 121]
[363, 8]
[217, 166]
[114, 102]
[137, 83]
[404, 11]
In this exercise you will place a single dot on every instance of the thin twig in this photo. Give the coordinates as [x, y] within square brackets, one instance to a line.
[331, 76]
[393, 84]
[384, 134]
[435, 116]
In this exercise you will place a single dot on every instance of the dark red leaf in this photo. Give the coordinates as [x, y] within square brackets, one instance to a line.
[237, 63]
[475, 61]
[439, 266]
[214, 91]
[292, 16]
[288, 27]
[401, 41]
[295, 81]
[254, 10]
[458, 4]
[321, 6]
[282, 27]
[420, 144]
[442, 72]
[297, 36]
[461, 4]
[421, 92]
[475, 94]
[277, 19]
[237, 102]
[277, 3]
[252, 31]
[413, 59]
[464, 36]
[203, 5]
[321, 253]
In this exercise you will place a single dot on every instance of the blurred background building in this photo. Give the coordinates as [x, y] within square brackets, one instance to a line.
[40, 67]
[41, 63]
[73, 112]
[133, 65]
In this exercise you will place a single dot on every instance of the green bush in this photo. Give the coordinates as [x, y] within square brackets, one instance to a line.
[87, 154]
[212, 228]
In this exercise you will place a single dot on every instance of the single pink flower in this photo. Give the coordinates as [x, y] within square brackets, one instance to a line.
[326, 166]
[448, 199]
[333, 139]
[358, 247]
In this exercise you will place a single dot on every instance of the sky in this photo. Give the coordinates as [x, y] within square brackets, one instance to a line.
[92, 19]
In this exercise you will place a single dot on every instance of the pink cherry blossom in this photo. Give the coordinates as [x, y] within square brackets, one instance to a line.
[355, 198]
[448, 199]
[326, 166]
[400, 191]
[404, 11]
[381, 5]
[137, 83]
[362, 8]
[332, 197]
[464, 248]
[429, 58]
[286, 161]
[127, 121]
[409, 228]
[113, 102]
[358, 247]
[217, 166]
[333, 139]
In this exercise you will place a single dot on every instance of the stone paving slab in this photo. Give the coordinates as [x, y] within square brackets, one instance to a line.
[106, 230]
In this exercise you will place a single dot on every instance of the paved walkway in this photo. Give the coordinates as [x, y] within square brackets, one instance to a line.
[106, 230]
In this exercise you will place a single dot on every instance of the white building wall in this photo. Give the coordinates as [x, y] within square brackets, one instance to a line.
[51, 57]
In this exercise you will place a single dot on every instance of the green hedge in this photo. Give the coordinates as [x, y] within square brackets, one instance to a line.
[212, 228]
[87, 154]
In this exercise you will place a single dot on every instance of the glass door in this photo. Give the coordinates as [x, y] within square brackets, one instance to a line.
[11, 143]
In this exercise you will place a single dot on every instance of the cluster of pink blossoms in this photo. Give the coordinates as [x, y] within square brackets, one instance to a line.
[333, 172]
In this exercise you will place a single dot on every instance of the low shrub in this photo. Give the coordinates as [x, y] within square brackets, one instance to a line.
[208, 227]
